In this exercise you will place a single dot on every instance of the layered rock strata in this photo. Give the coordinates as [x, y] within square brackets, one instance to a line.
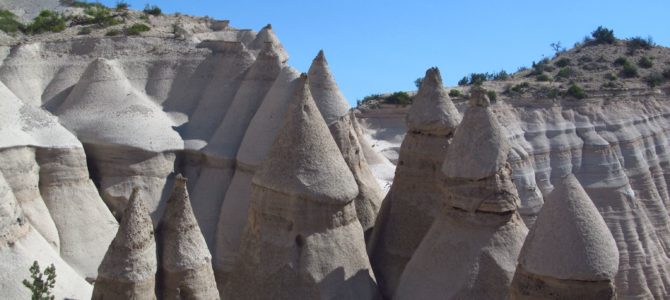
[303, 239]
[569, 253]
[471, 250]
[335, 111]
[415, 196]
[128, 270]
[186, 264]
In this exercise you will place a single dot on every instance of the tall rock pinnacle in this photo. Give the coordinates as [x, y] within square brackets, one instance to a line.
[414, 199]
[303, 239]
[185, 260]
[266, 35]
[128, 269]
[335, 111]
[470, 251]
[570, 253]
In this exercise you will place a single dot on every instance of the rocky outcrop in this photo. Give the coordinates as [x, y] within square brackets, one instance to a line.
[335, 111]
[569, 253]
[415, 196]
[21, 245]
[303, 239]
[471, 250]
[186, 264]
[128, 269]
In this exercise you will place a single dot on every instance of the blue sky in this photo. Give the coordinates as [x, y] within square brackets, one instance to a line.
[383, 46]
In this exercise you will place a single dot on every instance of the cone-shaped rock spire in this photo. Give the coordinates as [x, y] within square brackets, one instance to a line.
[303, 239]
[128, 269]
[335, 111]
[266, 35]
[570, 253]
[325, 91]
[414, 199]
[471, 250]
[476, 163]
[432, 111]
[185, 261]
[306, 155]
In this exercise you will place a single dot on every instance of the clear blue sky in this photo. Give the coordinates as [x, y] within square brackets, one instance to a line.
[379, 46]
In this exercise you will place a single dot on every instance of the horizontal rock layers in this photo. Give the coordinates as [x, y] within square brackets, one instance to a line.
[413, 202]
[303, 239]
[471, 250]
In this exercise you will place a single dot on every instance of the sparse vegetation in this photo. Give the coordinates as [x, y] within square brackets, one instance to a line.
[152, 10]
[81, 4]
[137, 29]
[654, 79]
[610, 77]
[603, 35]
[566, 72]
[9, 23]
[541, 67]
[85, 30]
[542, 77]
[480, 78]
[418, 81]
[501, 76]
[455, 93]
[113, 32]
[576, 91]
[492, 96]
[562, 62]
[122, 5]
[400, 98]
[41, 284]
[47, 21]
[645, 62]
[621, 61]
[629, 70]
[463, 81]
[637, 43]
[100, 16]
[520, 88]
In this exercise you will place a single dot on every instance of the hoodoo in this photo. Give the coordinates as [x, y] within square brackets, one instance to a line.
[471, 250]
[303, 239]
[570, 253]
[186, 265]
[128, 269]
[335, 111]
[414, 199]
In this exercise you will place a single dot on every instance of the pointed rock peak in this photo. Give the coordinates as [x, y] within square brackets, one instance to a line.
[180, 181]
[266, 35]
[478, 98]
[570, 239]
[327, 95]
[269, 52]
[304, 159]
[136, 226]
[432, 111]
[479, 147]
[102, 69]
[267, 27]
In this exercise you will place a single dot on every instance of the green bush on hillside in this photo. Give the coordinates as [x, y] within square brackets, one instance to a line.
[9, 23]
[400, 98]
[576, 91]
[46, 21]
[137, 29]
[645, 62]
[152, 10]
[603, 35]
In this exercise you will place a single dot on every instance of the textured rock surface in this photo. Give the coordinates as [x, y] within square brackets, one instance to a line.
[303, 239]
[186, 264]
[129, 267]
[411, 205]
[569, 252]
[471, 250]
[335, 111]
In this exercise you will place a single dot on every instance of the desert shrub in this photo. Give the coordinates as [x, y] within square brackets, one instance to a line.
[639, 43]
[520, 88]
[610, 77]
[576, 91]
[42, 283]
[46, 21]
[566, 72]
[152, 10]
[654, 79]
[603, 35]
[400, 98]
[9, 23]
[113, 32]
[418, 81]
[455, 93]
[541, 67]
[610, 85]
[563, 62]
[645, 62]
[549, 92]
[85, 30]
[122, 5]
[137, 29]
[542, 77]
[492, 96]
[621, 61]
[81, 4]
[629, 70]
[501, 76]
[463, 81]
[100, 16]
[477, 78]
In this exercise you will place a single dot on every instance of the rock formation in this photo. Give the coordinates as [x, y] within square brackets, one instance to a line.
[335, 111]
[21, 245]
[303, 239]
[415, 196]
[128, 270]
[569, 253]
[471, 250]
[186, 265]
